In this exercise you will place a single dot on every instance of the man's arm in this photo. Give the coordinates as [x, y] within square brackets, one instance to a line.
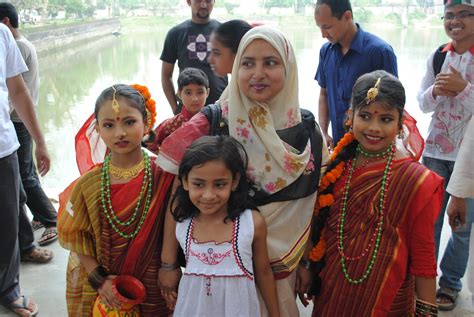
[168, 86]
[24, 107]
[323, 116]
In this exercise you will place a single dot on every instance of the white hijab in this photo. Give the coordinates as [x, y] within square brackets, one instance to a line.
[273, 164]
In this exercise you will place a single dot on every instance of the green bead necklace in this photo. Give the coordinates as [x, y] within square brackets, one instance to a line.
[378, 230]
[384, 153]
[112, 218]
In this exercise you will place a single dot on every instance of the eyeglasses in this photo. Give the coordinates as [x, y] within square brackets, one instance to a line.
[460, 16]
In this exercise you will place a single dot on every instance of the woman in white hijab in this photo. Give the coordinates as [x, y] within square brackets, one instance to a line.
[285, 150]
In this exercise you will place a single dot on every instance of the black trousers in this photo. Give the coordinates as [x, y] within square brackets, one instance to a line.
[9, 219]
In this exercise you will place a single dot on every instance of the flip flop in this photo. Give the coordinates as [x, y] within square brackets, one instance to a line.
[448, 293]
[38, 255]
[49, 235]
[25, 306]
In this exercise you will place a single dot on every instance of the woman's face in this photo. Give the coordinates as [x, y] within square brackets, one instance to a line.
[261, 74]
[221, 58]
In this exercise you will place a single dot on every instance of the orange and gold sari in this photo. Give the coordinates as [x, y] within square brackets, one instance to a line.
[84, 229]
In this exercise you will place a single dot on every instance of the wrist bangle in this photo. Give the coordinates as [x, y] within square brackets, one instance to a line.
[97, 277]
[169, 266]
[425, 309]
[306, 264]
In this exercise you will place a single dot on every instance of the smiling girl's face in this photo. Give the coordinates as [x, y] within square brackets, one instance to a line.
[376, 126]
[261, 73]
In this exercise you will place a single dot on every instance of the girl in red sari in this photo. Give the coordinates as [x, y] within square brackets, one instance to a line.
[374, 224]
[111, 217]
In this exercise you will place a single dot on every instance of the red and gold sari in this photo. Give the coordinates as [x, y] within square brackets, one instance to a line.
[406, 246]
[84, 229]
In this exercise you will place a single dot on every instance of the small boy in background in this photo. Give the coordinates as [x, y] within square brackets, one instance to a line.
[193, 89]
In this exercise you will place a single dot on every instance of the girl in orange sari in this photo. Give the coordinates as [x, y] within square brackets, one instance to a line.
[374, 224]
[111, 217]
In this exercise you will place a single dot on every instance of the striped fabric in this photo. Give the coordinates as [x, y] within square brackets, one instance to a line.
[83, 228]
[406, 246]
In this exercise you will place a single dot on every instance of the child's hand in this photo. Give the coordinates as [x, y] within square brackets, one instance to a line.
[107, 294]
[169, 281]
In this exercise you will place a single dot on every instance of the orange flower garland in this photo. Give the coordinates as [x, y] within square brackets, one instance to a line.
[326, 200]
[318, 251]
[346, 139]
[149, 103]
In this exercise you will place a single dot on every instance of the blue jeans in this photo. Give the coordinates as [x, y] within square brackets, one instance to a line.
[454, 262]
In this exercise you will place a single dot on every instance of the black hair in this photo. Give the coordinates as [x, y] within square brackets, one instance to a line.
[231, 32]
[338, 7]
[390, 92]
[8, 10]
[214, 148]
[192, 75]
[134, 98]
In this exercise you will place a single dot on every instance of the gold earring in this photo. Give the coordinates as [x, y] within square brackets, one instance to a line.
[401, 134]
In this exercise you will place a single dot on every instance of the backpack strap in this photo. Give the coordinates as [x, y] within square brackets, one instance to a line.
[438, 59]
[213, 113]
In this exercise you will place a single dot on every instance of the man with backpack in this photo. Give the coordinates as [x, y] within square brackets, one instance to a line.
[447, 90]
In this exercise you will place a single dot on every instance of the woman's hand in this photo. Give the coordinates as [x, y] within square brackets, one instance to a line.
[303, 282]
[107, 294]
[168, 282]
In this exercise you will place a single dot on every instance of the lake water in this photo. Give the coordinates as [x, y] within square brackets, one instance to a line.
[71, 80]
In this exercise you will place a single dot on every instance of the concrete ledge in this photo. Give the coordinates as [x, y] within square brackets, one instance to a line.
[59, 36]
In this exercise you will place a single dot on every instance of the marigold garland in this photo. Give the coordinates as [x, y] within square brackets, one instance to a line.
[149, 103]
[327, 199]
[319, 250]
[346, 139]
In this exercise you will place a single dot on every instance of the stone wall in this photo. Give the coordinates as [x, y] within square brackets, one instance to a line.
[59, 36]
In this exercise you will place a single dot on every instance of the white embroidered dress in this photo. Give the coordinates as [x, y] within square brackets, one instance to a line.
[218, 280]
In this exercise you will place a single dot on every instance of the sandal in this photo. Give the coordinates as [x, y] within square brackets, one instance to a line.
[37, 255]
[36, 225]
[448, 294]
[49, 235]
[26, 308]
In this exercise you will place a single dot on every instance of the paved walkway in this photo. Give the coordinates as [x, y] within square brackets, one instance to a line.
[45, 283]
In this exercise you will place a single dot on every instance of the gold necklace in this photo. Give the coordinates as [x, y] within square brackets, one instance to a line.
[126, 173]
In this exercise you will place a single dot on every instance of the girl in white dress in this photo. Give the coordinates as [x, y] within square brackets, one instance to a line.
[224, 241]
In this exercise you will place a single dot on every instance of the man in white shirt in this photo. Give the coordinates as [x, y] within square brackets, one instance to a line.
[12, 84]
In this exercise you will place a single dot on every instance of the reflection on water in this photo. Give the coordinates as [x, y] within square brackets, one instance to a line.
[71, 80]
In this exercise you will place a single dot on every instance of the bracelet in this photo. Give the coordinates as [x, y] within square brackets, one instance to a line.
[306, 264]
[169, 266]
[423, 309]
[97, 277]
